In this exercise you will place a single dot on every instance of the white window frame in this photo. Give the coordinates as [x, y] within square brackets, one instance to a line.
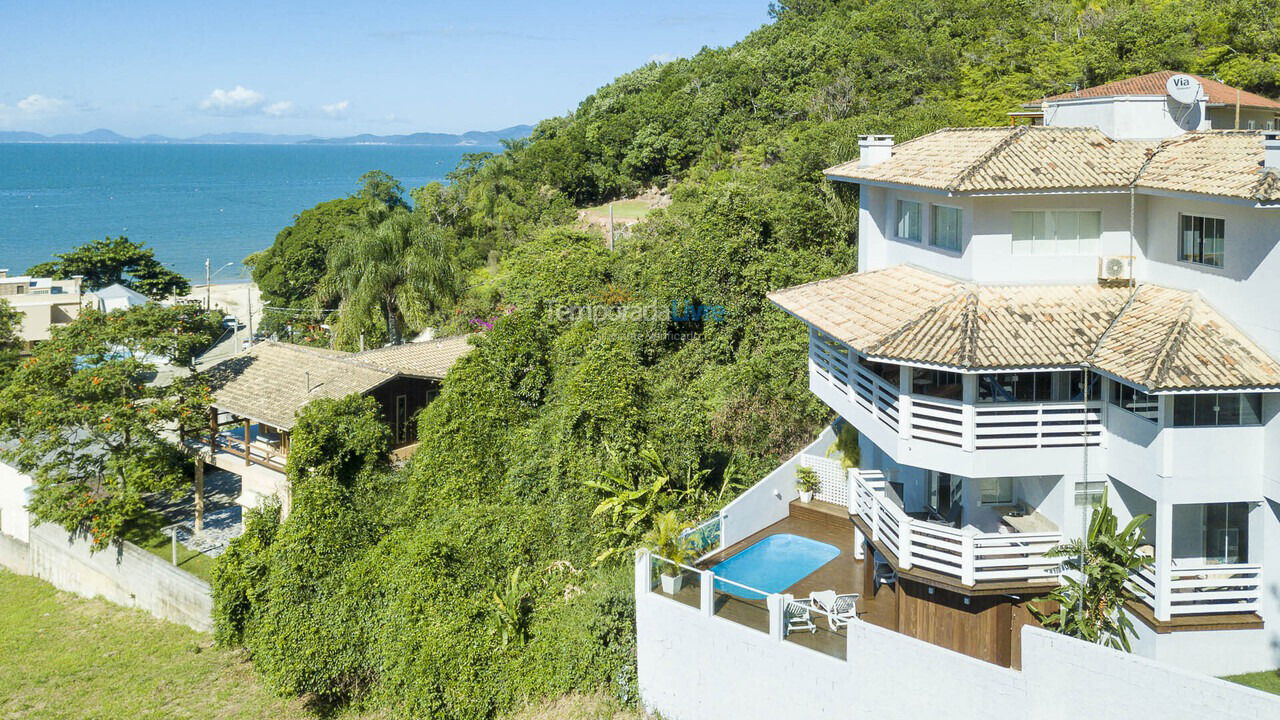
[1195, 263]
[897, 220]
[1000, 496]
[933, 230]
[1048, 212]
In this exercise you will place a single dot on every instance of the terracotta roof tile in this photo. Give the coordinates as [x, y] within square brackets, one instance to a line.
[1154, 84]
[1155, 337]
[1030, 158]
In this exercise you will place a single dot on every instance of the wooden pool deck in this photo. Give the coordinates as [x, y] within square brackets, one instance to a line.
[844, 574]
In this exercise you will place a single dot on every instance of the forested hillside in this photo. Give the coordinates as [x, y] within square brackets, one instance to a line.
[479, 575]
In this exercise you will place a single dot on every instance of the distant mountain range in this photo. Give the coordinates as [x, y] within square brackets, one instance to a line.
[102, 136]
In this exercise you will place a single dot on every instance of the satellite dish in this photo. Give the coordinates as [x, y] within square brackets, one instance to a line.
[1184, 89]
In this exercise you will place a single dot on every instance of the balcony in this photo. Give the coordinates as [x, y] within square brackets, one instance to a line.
[962, 558]
[957, 435]
[1198, 589]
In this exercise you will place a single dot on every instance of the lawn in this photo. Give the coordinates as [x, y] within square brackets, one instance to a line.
[622, 210]
[146, 532]
[1267, 681]
[67, 657]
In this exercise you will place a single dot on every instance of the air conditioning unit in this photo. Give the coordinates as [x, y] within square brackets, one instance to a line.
[1115, 267]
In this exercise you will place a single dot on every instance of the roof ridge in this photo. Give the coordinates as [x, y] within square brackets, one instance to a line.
[1173, 341]
[969, 325]
[1090, 358]
[986, 157]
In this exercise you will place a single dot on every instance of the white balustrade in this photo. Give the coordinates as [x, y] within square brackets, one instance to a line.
[1200, 589]
[968, 556]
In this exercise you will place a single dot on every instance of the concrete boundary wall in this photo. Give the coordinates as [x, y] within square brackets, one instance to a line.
[125, 574]
[693, 666]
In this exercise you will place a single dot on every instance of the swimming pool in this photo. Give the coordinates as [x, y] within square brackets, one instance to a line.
[773, 564]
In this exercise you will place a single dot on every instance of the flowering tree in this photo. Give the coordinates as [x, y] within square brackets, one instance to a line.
[81, 419]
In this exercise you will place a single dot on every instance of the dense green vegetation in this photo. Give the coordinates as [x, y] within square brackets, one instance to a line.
[481, 575]
[80, 418]
[111, 260]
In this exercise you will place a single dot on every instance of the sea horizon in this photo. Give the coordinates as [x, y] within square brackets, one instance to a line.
[187, 201]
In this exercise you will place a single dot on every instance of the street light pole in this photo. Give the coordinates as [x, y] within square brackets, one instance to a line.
[208, 300]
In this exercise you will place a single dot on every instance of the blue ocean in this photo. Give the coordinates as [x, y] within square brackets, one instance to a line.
[189, 202]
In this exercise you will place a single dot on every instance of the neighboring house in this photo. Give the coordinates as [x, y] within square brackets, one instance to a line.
[115, 297]
[259, 394]
[1042, 313]
[1141, 107]
[44, 302]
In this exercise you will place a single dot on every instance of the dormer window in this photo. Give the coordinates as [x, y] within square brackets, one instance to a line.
[946, 228]
[1202, 240]
[908, 227]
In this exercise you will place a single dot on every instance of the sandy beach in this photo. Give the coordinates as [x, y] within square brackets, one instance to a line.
[232, 298]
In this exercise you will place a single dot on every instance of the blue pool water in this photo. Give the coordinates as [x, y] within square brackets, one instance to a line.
[773, 565]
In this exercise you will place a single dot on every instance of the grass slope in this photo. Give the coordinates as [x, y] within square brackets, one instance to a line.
[67, 657]
[1267, 681]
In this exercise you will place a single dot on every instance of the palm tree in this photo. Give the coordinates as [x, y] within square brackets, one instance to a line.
[393, 268]
[1091, 603]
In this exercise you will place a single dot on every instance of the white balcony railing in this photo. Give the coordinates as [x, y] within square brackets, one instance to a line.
[1037, 425]
[964, 554]
[1199, 589]
[873, 394]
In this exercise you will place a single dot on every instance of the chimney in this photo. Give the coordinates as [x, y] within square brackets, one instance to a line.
[1271, 151]
[875, 149]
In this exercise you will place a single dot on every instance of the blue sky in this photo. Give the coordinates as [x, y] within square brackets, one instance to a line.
[333, 68]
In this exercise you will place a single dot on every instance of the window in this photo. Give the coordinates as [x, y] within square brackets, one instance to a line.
[886, 371]
[1089, 492]
[946, 228]
[908, 221]
[1027, 387]
[936, 383]
[1135, 401]
[1202, 240]
[1057, 232]
[997, 491]
[1226, 532]
[1210, 409]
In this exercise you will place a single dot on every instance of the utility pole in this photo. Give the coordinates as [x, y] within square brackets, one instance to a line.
[208, 300]
[248, 297]
[610, 226]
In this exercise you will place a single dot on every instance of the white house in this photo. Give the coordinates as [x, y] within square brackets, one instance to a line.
[115, 297]
[44, 302]
[1043, 313]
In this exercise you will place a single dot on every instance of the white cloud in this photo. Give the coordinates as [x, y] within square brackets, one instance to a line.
[41, 105]
[337, 109]
[279, 109]
[239, 100]
[662, 57]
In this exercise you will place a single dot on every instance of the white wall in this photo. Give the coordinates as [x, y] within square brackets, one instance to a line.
[1249, 282]
[695, 667]
[1139, 117]
[769, 500]
[15, 521]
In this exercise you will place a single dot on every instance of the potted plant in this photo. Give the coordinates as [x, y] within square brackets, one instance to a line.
[807, 482]
[665, 540]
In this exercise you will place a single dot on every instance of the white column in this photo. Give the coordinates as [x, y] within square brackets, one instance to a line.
[642, 572]
[1164, 560]
[859, 541]
[968, 412]
[707, 584]
[904, 402]
[904, 544]
[1166, 438]
[966, 560]
[777, 620]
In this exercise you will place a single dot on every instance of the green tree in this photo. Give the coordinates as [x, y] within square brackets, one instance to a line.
[1090, 605]
[395, 271]
[88, 429]
[10, 342]
[109, 261]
